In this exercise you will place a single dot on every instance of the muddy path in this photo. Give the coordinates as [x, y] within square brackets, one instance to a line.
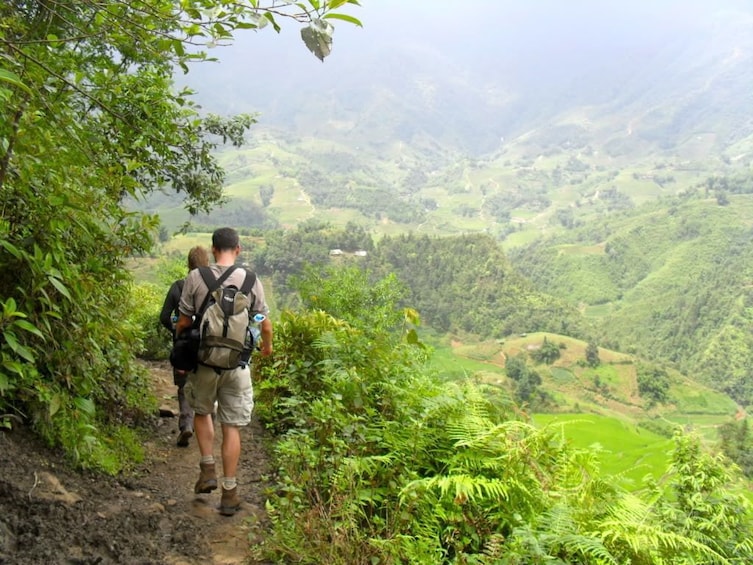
[51, 514]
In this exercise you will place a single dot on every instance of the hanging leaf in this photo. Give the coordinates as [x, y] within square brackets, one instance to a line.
[345, 18]
[14, 79]
[318, 38]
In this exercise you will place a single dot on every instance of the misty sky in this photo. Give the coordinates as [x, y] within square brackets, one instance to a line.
[550, 28]
[544, 44]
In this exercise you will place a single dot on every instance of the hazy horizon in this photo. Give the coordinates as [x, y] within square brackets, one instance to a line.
[506, 57]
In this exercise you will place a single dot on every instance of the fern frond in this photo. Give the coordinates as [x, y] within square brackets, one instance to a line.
[464, 488]
[592, 548]
[633, 526]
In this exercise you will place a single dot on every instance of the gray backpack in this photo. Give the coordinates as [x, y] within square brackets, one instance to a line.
[223, 321]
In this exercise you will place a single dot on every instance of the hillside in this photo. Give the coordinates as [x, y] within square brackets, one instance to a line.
[669, 281]
[374, 459]
[149, 515]
[596, 404]
[609, 389]
[499, 132]
[591, 165]
[672, 281]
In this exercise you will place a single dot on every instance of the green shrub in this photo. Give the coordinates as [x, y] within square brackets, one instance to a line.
[155, 340]
[660, 427]
[653, 383]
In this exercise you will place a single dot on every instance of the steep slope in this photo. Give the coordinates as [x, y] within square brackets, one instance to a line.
[149, 515]
[466, 284]
[673, 281]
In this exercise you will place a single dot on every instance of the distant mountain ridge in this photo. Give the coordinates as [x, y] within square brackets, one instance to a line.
[501, 132]
[696, 79]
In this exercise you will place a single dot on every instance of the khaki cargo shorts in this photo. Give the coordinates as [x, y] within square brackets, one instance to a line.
[232, 389]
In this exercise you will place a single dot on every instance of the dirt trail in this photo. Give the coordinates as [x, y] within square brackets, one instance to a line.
[50, 514]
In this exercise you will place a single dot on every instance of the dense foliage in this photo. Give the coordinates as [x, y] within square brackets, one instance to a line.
[372, 200]
[457, 283]
[378, 462]
[527, 381]
[653, 383]
[89, 119]
[736, 442]
[466, 283]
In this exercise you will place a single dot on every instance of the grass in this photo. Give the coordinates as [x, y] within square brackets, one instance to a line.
[144, 269]
[572, 249]
[705, 425]
[448, 364]
[183, 242]
[528, 234]
[693, 400]
[562, 376]
[627, 453]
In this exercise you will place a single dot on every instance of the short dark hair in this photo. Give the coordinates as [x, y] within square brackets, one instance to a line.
[224, 239]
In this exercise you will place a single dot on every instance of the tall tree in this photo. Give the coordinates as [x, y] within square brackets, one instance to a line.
[592, 355]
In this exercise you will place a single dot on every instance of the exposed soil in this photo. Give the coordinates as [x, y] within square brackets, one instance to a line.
[51, 514]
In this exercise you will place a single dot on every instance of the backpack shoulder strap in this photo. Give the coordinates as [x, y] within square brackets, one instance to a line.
[225, 275]
[248, 282]
[213, 283]
[208, 276]
[248, 285]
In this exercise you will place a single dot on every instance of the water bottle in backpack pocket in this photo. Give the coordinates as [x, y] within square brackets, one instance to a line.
[253, 338]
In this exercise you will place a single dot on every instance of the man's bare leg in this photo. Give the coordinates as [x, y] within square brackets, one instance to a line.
[204, 428]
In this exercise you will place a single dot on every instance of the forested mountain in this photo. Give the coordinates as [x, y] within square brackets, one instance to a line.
[457, 284]
[646, 78]
[671, 279]
[376, 460]
[466, 284]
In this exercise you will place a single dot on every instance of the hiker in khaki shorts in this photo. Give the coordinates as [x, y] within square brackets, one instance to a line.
[230, 388]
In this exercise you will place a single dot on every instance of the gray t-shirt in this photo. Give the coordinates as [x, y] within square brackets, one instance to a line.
[194, 290]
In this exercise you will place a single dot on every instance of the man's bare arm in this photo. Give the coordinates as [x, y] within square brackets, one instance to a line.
[266, 337]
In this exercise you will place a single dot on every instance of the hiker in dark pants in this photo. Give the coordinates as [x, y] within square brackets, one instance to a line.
[230, 388]
[197, 257]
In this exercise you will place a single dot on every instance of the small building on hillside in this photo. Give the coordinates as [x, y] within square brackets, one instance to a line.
[335, 252]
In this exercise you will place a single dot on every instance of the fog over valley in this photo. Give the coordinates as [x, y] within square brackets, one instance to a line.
[470, 74]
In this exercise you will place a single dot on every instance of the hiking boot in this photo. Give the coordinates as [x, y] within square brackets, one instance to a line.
[207, 479]
[183, 437]
[230, 502]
